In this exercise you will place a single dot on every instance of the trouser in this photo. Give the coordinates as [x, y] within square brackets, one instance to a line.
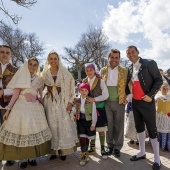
[145, 113]
[115, 116]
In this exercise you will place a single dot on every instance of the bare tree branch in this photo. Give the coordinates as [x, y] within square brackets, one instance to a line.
[14, 17]
[22, 45]
[92, 47]
[25, 3]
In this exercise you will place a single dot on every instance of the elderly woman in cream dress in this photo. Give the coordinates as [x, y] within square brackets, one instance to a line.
[59, 95]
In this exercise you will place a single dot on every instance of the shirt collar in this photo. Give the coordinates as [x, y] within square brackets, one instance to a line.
[4, 64]
[32, 77]
[137, 62]
[83, 99]
[116, 68]
[91, 80]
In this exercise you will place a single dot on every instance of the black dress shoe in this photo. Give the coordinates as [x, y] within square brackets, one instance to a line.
[109, 151]
[156, 166]
[23, 165]
[137, 142]
[9, 163]
[63, 157]
[53, 157]
[32, 162]
[116, 153]
[131, 141]
[135, 158]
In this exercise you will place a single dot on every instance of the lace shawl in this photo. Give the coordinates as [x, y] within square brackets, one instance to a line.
[66, 83]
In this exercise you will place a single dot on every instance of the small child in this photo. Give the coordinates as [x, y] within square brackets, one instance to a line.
[163, 117]
[86, 117]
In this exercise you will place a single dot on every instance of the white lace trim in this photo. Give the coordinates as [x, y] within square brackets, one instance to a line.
[163, 123]
[9, 138]
[63, 129]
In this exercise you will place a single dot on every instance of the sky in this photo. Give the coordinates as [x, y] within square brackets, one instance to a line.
[60, 23]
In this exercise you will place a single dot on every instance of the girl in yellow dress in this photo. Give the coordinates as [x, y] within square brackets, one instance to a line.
[163, 117]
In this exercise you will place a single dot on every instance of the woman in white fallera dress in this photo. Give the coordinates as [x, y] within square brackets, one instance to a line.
[25, 133]
[59, 94]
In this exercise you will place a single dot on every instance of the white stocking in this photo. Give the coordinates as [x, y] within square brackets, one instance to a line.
[155, 146]
[141, 139]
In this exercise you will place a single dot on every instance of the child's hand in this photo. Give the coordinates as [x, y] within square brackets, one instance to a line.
[5, 117]
[92, 128]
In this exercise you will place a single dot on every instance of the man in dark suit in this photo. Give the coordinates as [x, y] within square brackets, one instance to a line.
[145, 80]
[7, 71]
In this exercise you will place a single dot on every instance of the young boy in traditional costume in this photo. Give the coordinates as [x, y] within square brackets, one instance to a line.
[86, 117]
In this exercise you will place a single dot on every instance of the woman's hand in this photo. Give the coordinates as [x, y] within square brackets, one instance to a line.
[5, 117]
[84, 80]
[90, 100]
[1, 93]
[92, 128]
[69, 107]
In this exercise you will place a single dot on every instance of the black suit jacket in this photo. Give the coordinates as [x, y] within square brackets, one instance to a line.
[149, 77]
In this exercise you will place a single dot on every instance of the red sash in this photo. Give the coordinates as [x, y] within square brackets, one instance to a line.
[137, 91]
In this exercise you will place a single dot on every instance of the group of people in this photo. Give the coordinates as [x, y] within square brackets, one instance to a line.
[162, 101]
[44, 116]
[33, 125]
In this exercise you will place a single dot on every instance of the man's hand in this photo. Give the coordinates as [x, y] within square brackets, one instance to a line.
[146, 98]
[125, 102]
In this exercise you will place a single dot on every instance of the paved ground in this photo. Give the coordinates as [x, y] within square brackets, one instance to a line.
[97, 163]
